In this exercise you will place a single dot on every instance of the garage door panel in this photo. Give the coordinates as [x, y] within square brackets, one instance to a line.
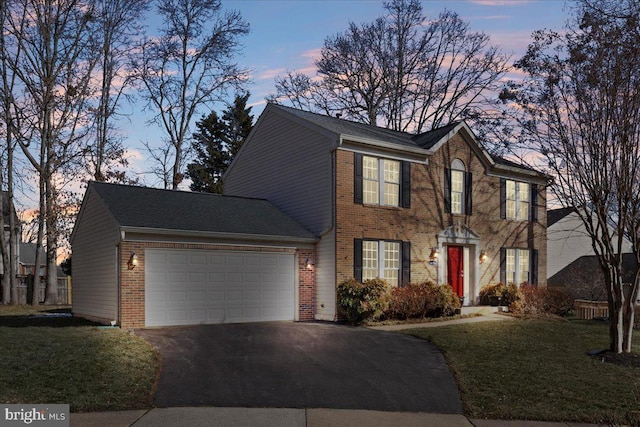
[195, 286]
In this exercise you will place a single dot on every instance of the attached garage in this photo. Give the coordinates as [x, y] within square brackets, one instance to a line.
[146, 257]
[184, 287]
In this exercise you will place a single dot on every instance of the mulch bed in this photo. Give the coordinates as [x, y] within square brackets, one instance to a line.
[629, 360]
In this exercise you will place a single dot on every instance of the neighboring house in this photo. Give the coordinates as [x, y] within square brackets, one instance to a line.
[27, 259]
[149, 257]
[6, 211]
[407, 208]
[572, 263]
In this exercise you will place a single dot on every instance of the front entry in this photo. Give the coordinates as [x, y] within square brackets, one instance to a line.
[455, 268]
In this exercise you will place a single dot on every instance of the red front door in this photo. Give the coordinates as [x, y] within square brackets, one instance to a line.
[455, 269]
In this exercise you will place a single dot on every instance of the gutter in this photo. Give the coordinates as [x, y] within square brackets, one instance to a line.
[215, 235]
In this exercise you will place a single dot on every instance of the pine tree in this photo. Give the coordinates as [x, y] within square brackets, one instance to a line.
[216, 142]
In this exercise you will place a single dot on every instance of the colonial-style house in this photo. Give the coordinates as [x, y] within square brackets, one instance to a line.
[407, 208]
[310, 201]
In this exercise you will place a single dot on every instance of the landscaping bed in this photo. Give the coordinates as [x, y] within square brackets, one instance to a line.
[539, 370]
[49, 356]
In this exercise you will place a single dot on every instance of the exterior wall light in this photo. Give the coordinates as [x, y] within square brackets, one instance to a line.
[133, 261]
[433, 256]
[308, 264]
[483, 256]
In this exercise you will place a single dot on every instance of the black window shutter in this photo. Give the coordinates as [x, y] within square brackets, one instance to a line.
[503, 198]
[468, 188]
[357, 184]
[534, 202]
[534, 267]
[447, 190]
[406, 264]
[406, 185]
[357, 259]
[503, 265]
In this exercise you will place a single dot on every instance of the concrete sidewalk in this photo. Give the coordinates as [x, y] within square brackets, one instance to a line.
[287, 417]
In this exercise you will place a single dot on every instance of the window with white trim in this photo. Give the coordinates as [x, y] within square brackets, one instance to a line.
[517, 266]
[380, 177]
[381, 259]
[457, 187]
[517, 200]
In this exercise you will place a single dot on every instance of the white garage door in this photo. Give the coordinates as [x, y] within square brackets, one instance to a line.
[186, 287]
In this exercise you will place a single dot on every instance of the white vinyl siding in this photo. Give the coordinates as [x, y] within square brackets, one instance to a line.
[303, 186]
[95, 275]
[326, 277]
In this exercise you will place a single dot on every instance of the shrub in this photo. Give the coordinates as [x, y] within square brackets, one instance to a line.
[539, 302]
[421, 300]
[507, 293]
[359, 302]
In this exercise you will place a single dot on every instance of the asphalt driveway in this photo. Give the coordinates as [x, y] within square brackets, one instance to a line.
[301, 365]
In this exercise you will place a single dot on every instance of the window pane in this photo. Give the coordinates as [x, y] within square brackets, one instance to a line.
[511, 209]
[457, 189]
[392, 262]
[510, 266]
[523, 211]
[370, 168]
[369, 260]
[370, 191]
[523, 265]
[391, 194]
[392, 171]
[511, 190]
[456, 203]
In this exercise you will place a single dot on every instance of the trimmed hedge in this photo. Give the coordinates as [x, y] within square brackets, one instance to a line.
[532, 301]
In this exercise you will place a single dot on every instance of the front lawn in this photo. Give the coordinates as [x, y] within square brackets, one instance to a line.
[538, 370]
[70, 360]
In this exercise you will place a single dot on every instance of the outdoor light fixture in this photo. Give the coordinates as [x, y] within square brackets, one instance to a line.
[307, 263]
[133, 261]
[433, 256]
[483, 256]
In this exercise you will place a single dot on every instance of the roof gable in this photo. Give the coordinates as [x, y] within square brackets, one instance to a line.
[555, 215]
[424, 144]
[156, 209]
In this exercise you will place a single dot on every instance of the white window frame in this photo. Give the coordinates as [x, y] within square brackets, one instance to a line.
[514, 271]
[381, 266]
[519, 199]
[384, 184]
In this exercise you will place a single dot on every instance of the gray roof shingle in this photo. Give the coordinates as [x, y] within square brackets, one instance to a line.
[153, 208]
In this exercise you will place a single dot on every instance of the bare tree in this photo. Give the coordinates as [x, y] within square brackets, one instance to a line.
[188, 67]
[118, 23]
[8, 117]
[53, 71]
[580, 109]
[402, 71]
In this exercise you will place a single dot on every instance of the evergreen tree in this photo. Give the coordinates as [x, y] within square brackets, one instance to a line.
[215, 143]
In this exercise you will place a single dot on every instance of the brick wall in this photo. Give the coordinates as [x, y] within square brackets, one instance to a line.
[132, 296]
[421, 223]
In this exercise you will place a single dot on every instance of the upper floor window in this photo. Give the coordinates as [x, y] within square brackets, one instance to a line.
[457, 189]
[382, 181]
[518, 200]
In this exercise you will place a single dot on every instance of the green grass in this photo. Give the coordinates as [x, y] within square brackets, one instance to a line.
[69, 360]
[537, 370]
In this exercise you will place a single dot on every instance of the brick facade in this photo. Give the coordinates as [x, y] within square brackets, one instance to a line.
[421, 223]
[132, 282]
